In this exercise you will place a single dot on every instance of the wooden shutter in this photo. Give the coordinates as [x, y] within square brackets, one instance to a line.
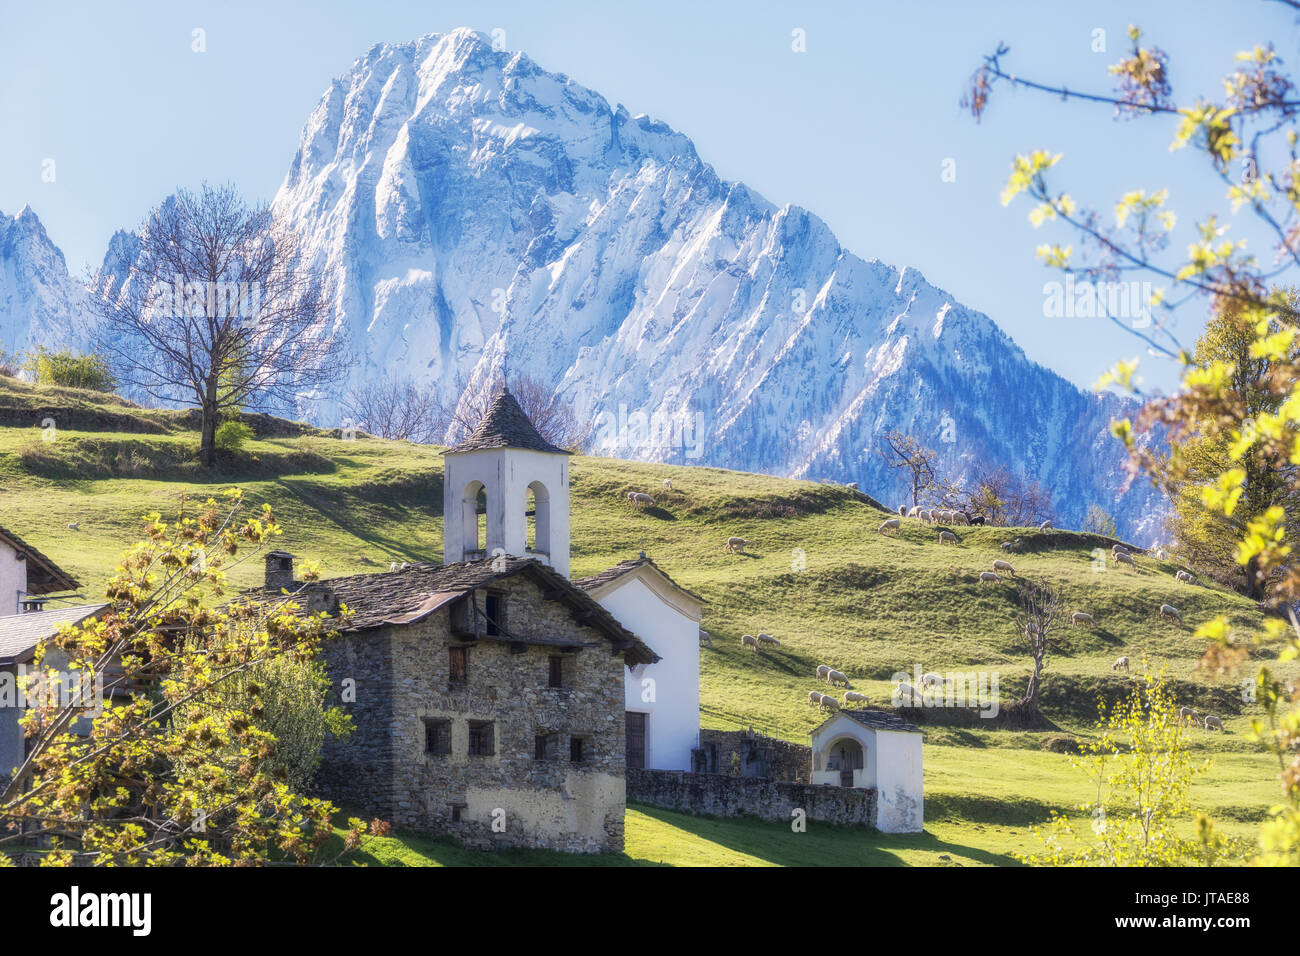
[636, 740]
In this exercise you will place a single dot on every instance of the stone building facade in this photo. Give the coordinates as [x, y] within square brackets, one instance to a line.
[488, 703]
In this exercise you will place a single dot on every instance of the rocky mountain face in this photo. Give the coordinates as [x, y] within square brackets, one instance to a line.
[473, 211]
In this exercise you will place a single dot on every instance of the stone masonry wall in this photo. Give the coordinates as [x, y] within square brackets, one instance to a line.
[760, 755]
[509, 798]
[722, 795]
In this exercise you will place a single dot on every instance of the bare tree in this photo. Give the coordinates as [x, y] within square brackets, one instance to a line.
[1040, 611]
[904, 452]
[217, 312]
[1007, 499]
[397, 409]
[551, 414]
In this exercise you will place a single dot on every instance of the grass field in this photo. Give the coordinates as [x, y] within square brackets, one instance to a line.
[817, 575]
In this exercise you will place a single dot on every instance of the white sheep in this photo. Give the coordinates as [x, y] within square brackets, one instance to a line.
[1004, 566]
[748, 640]
[1082, 618]
[768, 639]
[902, 511]
[892, 524]
[1123, 557]
[668, 484]
[814, 697]
[947, 536]
[914, 511]
[1117, 548]
[641, 498]
[1188, 713]
[1162, 554]
[835, 678]
[823, 670]
[1008, 546]
[393, 566]
[959, 517]
[1213, 723]
[1186, 577]
[829, 702]
[1121, 664]
[905, 694]
[853, 485]
[932, 679]
[735, 544]
[988, 577]
[1168, 610]
[74, 525]
[1046, 525]
[852, 696]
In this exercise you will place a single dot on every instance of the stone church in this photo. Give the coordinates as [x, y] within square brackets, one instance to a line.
[490, 693]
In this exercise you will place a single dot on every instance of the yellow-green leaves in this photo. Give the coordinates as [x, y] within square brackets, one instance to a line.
[1121, 375]
[1212, 127]
[1025, 170]
[1054, 255]
[1222, 496]
[1137, 201]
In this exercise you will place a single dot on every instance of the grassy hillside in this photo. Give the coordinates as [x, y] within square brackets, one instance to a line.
[817, 575]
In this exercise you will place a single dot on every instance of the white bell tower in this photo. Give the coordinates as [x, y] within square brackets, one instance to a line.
[504, 474]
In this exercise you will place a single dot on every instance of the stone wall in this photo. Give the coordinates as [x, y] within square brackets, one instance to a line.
[509, 798]
[759, 755]
[721, 795]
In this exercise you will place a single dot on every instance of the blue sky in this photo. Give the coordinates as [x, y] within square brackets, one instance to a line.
[856, 129]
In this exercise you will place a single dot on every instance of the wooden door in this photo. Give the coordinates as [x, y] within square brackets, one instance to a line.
[636, 740]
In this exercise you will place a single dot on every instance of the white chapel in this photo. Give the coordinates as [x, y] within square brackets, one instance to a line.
[506, 491]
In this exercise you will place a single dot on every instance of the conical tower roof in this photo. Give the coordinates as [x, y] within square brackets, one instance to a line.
[505, 426]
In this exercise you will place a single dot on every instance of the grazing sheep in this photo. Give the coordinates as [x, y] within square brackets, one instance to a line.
[814, 697]
[1188, 713]
[393, 566]
[829, 702]
[837, 677]
[1168, 610]
[1213, 723]
[1162, 554]
[1186, 576]
[823, 670]
[902, 511]
[1117, 548]
[947, 536]
[988, 577]
[914, 511]
[852, 696]
[74, 525]
[1046, 525]
[906, 694]
[932, 679]
[768, 639]
[1082, 617]
[978, 520]
[1000, 565]
[959, 517]
[1121, 664]
[737, 544]
[1123, 557]
[748, 640]
[892, 524]
[668, 484]
[1008, 546]
[945, 516]
[853, 485]
[927, 515]
[641, 498]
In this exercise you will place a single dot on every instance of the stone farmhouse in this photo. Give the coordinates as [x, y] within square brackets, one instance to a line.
[495, 700]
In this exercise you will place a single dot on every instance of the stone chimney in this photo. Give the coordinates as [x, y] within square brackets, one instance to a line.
[279, 571]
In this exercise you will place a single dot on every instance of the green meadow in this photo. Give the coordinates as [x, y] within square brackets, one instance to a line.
[816, 574]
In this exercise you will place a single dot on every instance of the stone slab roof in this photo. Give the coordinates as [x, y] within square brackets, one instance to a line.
[505, 426]
[597, 581]
[43, 575]
[875, 720]
[414, 593]
[20, 633]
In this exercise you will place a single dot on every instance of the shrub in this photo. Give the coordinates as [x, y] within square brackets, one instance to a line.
[231, 435]
[70, 369]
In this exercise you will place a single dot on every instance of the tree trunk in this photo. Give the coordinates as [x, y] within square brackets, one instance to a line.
[208, 430]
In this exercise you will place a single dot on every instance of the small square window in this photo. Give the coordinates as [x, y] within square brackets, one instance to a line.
[455, 813]
[545, 746]
[457, 666]
[481, 738]
[577, 749]
[556, 674]
[437, 736]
